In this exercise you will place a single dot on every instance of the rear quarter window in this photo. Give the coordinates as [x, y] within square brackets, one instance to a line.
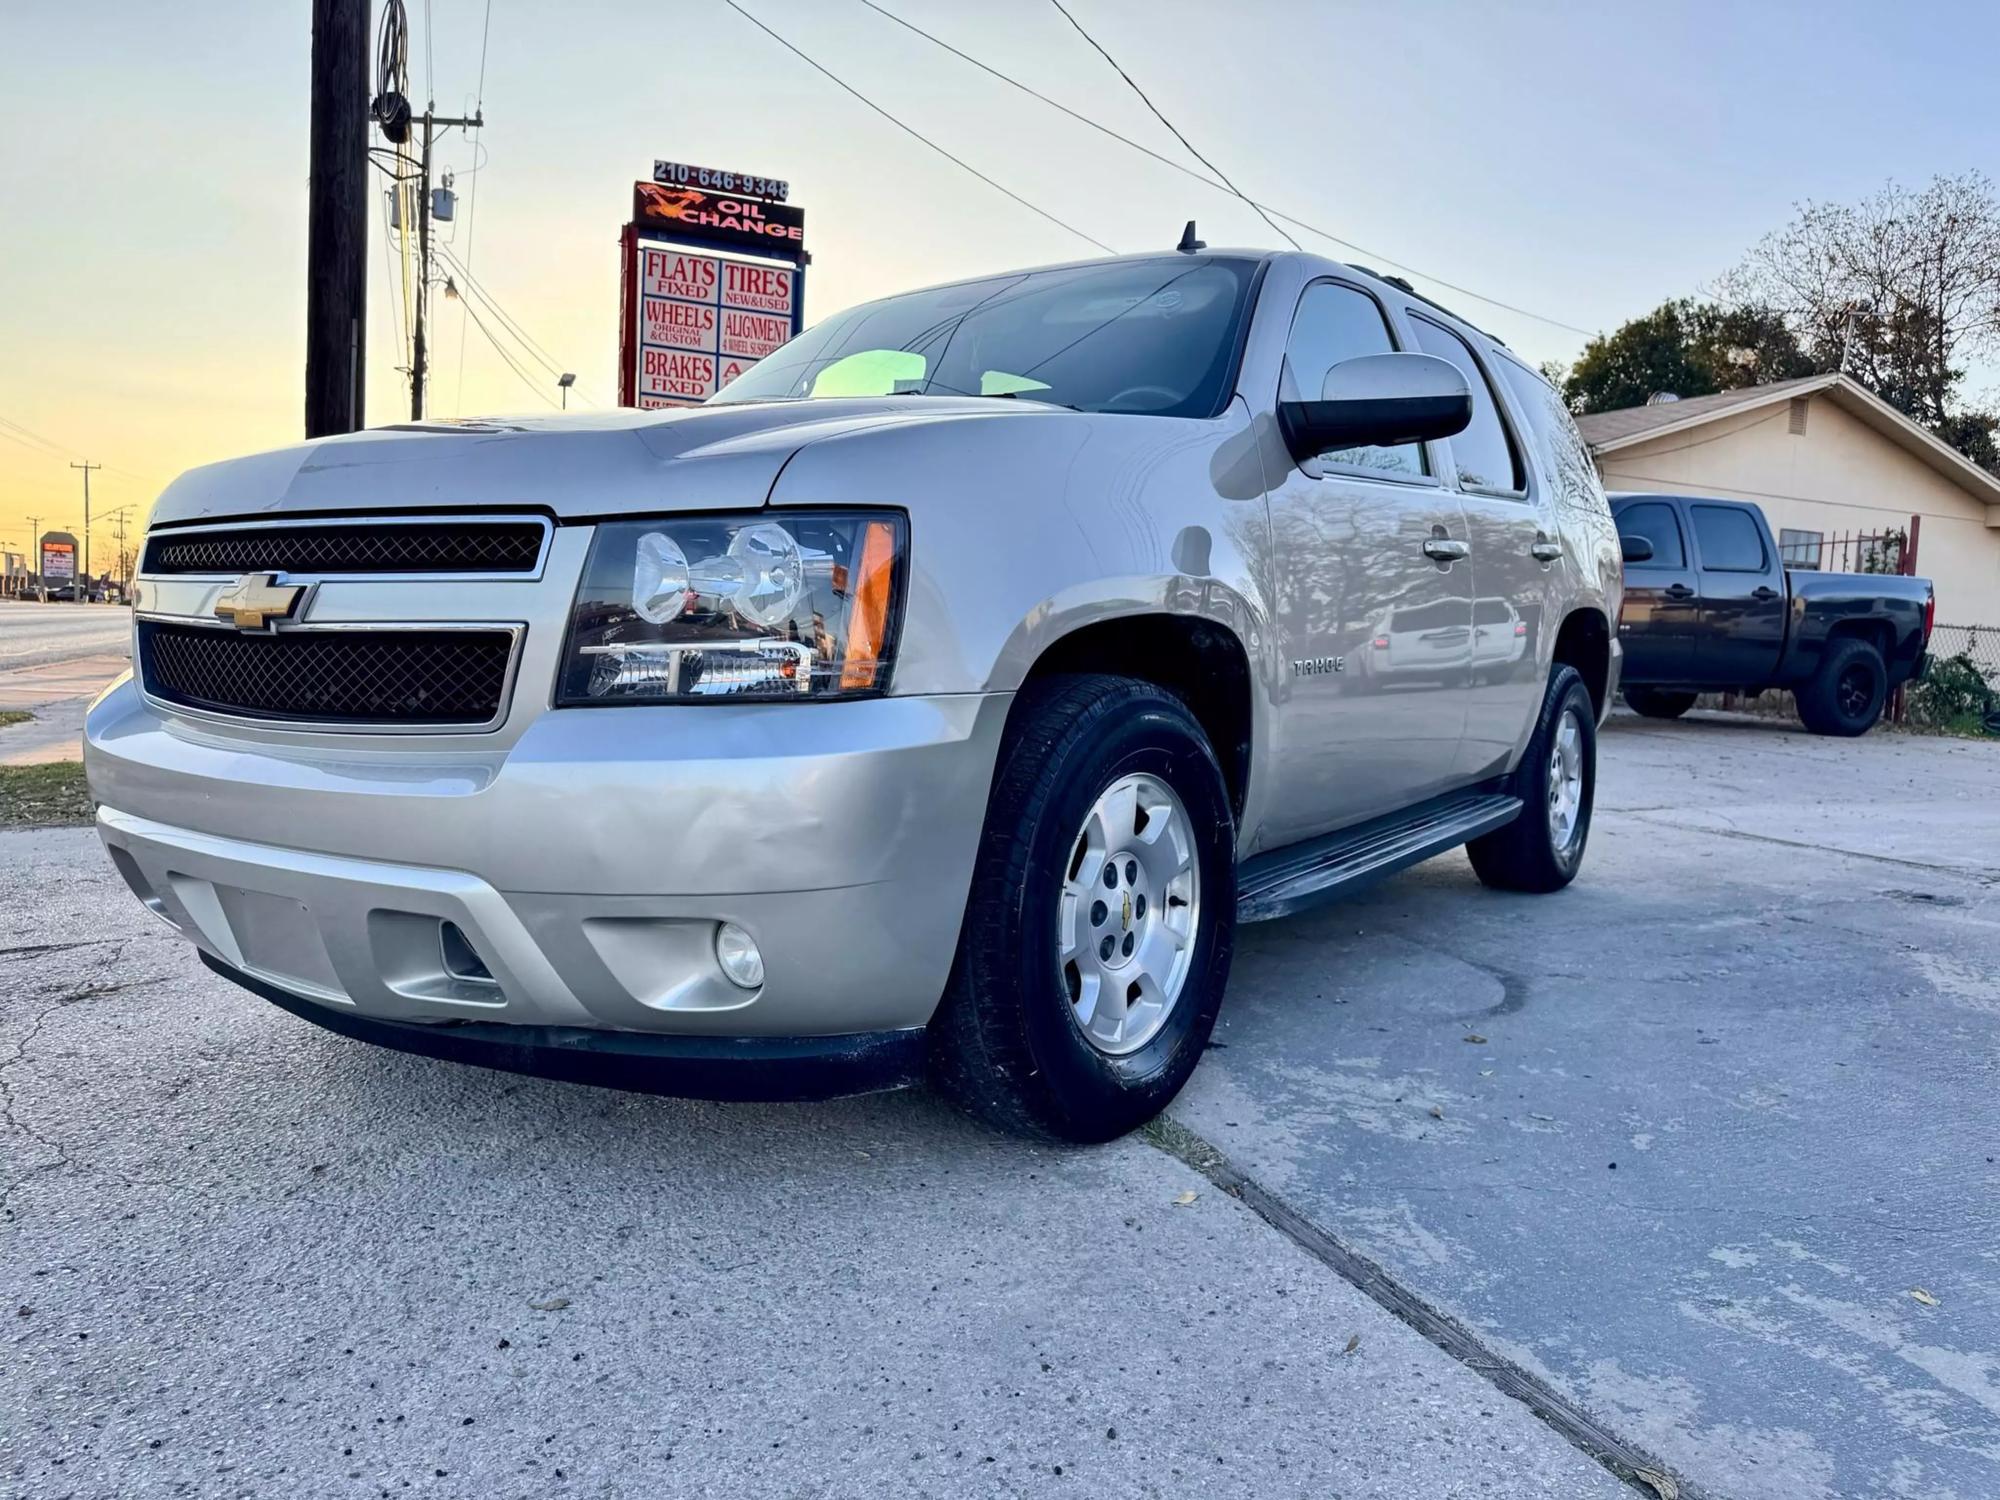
[1564, 460]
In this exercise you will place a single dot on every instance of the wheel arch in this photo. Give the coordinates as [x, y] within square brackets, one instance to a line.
[1200, 661]
[1583, 641]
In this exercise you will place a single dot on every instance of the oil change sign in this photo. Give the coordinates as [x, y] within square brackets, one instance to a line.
[701, 319]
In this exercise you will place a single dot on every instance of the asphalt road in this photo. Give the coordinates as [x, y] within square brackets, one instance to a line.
[54, 659]
[242, 1256]
[33, 635]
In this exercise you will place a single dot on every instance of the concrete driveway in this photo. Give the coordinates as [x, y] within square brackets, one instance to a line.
[1706, 1143]
[1666, 1156]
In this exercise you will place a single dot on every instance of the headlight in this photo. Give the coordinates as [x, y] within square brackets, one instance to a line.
[776, 605]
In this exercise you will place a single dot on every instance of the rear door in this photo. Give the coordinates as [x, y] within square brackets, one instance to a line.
[1659, 623]
[1742, 595]
[1506, 521]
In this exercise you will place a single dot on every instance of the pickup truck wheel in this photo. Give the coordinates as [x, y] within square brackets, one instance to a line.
[1846, 694]
[1101, 918]
[1542, 849]
[1655, 704]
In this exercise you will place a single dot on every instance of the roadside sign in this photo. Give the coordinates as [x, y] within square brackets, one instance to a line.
[58, 557]
[714, 280]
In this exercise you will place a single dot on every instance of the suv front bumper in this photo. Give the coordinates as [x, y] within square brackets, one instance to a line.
[587, 865]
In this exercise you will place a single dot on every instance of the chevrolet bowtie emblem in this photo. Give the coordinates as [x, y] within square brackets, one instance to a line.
[257, 599]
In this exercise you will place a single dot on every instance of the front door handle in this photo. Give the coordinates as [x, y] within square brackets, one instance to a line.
[1679, 591]
[1546, 550]
[1445, 549]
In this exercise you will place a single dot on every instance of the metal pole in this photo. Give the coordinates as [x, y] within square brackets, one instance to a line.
[82, 581]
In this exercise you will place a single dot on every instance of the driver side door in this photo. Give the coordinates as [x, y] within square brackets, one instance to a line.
[1375, 635]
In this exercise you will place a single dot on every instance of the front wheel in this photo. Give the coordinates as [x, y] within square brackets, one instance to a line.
[1101, 917]
[1542, 849]
[1846, 694]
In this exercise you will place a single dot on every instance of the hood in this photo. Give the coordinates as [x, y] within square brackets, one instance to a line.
[587, 464]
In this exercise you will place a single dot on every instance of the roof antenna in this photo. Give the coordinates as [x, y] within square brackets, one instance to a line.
[1189, 244]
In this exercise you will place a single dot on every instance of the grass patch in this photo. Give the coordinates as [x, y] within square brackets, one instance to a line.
[14, 716]
[33, 796]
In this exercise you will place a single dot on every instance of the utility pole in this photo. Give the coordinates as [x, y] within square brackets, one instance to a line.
[419, 352]
[124, 571]
[35, 558]
[337, 219]
[82, 581]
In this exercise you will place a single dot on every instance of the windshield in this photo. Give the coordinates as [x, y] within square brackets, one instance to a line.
[1156, 337]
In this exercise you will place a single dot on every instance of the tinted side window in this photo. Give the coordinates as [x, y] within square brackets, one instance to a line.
[1334, 323]
[1729, 540]
[1658, 524]
[1484, 453]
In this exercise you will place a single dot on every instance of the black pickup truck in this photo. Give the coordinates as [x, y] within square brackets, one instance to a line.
[1710, 607]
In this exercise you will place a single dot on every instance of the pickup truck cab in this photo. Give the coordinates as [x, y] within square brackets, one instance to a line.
[1710, 607]
[934, 701]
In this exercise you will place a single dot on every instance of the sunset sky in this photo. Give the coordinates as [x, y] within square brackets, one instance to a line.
[1579, 161]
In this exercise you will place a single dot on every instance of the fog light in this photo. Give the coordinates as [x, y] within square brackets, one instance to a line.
[737, 952]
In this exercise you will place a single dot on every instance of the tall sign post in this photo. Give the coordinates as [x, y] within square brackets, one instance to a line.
[713, 278]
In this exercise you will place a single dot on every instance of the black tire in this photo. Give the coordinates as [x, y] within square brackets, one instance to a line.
[1846, 694]
[1654, 703]
[1524, 855]
[1006, 1043]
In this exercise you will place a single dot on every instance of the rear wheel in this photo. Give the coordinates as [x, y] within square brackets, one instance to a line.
[1656, 704]
[1542, 849]
[1846, 694]
[1101, 917]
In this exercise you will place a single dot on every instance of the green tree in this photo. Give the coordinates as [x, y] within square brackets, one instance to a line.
[1688, 348]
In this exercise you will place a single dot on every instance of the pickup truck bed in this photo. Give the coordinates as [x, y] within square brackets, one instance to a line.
[1711, 607]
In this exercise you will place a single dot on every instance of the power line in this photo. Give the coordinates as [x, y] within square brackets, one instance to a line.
[913, 132]
[1187, 171]
[522, 375]
[511, 324]
[472, 199]
[28, 438]
[1133, 84]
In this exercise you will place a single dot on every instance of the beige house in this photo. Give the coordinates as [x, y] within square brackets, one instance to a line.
[1825, 458]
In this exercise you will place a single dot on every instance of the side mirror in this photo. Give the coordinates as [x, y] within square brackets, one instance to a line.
[1378, 399]
[1636, 549]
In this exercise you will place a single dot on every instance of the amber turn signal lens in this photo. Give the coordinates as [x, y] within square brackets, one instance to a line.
[869, 629]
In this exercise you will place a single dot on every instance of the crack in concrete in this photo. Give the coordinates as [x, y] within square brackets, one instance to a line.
[1645, 1474]
[8, 1117]
[1973, 873]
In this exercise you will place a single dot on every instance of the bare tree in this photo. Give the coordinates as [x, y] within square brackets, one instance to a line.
[1897, 290]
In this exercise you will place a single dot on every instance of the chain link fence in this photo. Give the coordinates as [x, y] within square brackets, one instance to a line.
[1961, 686]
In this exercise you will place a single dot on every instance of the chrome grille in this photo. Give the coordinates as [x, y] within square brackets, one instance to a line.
[390, 676]
[348, 547]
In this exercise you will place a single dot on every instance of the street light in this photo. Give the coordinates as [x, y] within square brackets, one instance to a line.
[566, 380]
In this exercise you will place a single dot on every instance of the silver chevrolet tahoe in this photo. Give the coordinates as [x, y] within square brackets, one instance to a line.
[934, 701]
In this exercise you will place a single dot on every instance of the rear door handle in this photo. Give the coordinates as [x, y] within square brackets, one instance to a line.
[1546, 551]
[1763, 591]
[1679, 591]
[1445, 549]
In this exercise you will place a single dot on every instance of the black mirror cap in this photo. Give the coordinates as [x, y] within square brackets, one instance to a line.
[1635, 549]
[1315, 427]
[1379, 400]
